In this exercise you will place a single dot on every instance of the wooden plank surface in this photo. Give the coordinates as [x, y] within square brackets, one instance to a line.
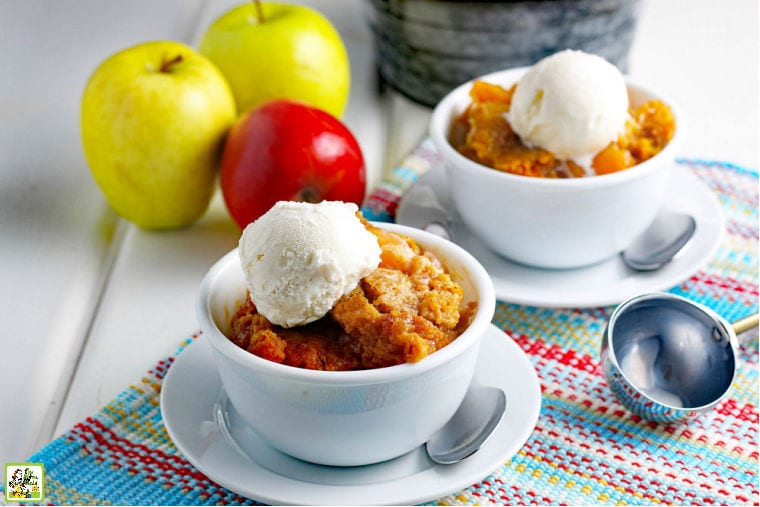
[55, 228]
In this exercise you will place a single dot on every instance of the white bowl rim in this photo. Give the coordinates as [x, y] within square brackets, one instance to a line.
[482, 318]
[440, 124]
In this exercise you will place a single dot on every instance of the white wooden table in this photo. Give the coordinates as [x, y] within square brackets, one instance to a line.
[88, 302]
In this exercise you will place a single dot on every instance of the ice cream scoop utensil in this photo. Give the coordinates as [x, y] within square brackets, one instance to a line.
[667, 358]
[660, 242]
[470, 426]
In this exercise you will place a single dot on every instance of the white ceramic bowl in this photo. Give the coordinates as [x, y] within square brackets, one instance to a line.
[553, 223]
[352, 417]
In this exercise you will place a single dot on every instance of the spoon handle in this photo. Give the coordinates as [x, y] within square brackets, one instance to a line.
[746, 323]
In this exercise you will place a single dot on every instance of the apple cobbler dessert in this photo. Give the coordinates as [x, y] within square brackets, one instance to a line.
[403, 310]
[483, 134]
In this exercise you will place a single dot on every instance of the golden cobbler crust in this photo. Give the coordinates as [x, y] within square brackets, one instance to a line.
[404, 310]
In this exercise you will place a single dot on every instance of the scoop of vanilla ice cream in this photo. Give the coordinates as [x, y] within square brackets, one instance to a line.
[300, 258]
[571, 103]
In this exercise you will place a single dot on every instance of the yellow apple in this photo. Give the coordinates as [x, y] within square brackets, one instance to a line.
[153, 120]
[277, 51]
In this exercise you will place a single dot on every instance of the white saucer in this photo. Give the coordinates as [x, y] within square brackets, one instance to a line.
[190, 405]
[606, 283]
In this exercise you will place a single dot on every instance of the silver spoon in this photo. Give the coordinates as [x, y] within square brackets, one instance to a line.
[477, 416]
[480, 411]
[660, 242]
[470, 426]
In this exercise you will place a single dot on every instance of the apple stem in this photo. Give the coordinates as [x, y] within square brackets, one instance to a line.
[308, 194]
[166, 64]
[259, 11]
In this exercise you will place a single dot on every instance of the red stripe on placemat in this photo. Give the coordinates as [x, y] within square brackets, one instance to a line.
[383, 200]
[742, 230]
[569, 357]
[727, 283]
[130, 454]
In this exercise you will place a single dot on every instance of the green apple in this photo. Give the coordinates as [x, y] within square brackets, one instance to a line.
[277, 51]
[153, 121]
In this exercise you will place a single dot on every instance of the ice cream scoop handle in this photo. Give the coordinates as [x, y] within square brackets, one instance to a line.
[746, 323]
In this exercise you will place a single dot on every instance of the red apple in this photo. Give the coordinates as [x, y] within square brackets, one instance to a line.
[289, 151]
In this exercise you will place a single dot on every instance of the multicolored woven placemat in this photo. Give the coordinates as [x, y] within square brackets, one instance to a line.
[586, 448]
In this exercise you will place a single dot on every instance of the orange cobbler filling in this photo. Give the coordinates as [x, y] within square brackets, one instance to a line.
[483, 134]
[406, 309]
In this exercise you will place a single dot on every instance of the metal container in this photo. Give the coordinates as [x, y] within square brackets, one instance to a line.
[425, 48]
